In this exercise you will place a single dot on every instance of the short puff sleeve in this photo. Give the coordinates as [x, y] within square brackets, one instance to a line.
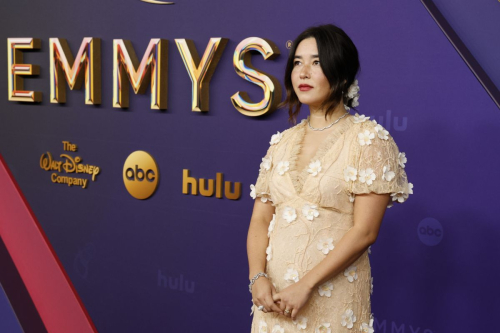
[261, 187]
[376, 165]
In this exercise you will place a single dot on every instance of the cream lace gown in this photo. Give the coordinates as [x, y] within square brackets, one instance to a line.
[314, 209]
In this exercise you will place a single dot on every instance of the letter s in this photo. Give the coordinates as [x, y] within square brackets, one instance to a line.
[243, 67]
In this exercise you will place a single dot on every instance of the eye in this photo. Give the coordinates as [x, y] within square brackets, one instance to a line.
[296, 62]
[316, 62]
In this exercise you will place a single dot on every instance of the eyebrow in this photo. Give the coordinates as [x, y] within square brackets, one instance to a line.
[313, 56]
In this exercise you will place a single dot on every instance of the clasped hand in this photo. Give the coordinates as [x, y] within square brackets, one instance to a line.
[288, 301]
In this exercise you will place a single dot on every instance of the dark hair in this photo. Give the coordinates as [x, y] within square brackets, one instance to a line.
[339, 61]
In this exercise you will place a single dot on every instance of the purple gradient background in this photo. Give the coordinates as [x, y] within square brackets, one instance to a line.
[477, 23]
[8, 320]
[114, 246]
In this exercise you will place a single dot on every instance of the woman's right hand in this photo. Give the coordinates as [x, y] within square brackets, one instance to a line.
[262, 294]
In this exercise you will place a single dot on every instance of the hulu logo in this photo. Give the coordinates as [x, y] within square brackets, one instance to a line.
[214, 186]
[175, 283]
[389, 122]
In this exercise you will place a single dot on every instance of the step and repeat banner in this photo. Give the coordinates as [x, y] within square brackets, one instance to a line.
[135, 129]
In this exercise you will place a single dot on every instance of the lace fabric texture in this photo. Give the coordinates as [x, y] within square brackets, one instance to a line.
[381, 156]
[314, 210]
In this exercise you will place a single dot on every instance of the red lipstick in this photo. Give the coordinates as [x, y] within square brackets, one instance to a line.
[305, 87]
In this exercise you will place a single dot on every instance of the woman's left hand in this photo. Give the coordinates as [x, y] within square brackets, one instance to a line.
[293, 298]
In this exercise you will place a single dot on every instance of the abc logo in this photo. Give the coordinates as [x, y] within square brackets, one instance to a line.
[430, 231]
[140, 175]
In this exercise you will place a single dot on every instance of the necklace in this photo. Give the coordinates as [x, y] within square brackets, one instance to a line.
[324, 128]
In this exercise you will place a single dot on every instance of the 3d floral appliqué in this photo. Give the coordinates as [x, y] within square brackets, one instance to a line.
[353, 89]
[382, 133]
[326, 289]
[269, 252]
[314, 167]
[275, 138]
[387, 174]
[367, 176]
[252, 192]
[355, 101]
[325, 245]
[323, 328]
[278, 329]
[350, 173]
[301, 322]
[271, 226]
[359, 118]
[348, 319]
[266, 163]
[367, 328]
[310, 211]
[289, 214]
[365, 138]
[291, 275]
[351, 274]
[283, 167]
[264, 199]
[399, 196]
[402, 159]
[263, 327]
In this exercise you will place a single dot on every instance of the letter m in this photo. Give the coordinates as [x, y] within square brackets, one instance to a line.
[153, 68]
[86, 65]
[395, 329]
[380, 326]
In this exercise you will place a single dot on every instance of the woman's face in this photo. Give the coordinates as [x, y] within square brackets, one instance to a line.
[309, 82]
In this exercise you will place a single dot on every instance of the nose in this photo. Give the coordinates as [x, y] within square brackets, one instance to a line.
[305, 72]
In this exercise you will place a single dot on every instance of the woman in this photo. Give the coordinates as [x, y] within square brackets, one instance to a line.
[323, 185]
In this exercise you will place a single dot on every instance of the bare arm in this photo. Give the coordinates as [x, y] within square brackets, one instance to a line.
[369, 210]
[257, 242]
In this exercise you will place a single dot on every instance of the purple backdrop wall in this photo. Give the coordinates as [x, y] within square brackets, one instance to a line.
[119, 252]
[8, 320]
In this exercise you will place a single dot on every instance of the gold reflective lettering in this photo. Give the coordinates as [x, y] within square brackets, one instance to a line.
[17, 68]
[243, 67]
[200, 72]
[87, 64]
[153, 68]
